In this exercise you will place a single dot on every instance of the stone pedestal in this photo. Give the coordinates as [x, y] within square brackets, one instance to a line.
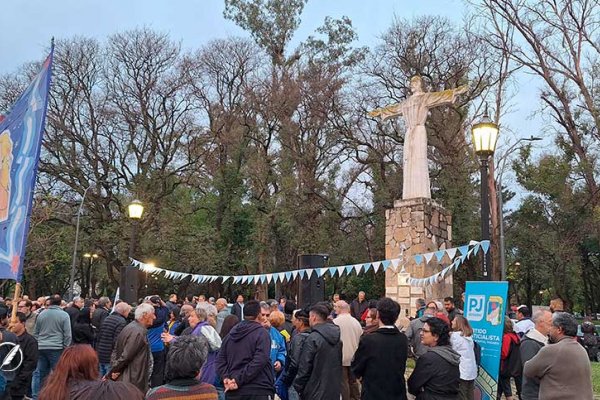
[419, 226]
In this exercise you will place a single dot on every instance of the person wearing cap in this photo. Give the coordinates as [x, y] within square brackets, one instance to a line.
[524, 323]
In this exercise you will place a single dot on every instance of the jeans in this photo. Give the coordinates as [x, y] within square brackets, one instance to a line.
[35, 384]
[104, 369]
[292, 394]
[47, 360]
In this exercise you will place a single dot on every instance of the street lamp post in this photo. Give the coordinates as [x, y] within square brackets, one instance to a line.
[129, 277]
[485, 136]
[91, 257]
[74, 260]
[500, 202]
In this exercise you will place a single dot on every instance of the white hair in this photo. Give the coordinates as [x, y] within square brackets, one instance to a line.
[210, 309]
[142, 310]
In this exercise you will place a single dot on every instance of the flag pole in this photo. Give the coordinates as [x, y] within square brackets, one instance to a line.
[16, 300]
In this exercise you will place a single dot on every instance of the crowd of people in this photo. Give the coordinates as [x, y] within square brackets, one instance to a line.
[205, 349]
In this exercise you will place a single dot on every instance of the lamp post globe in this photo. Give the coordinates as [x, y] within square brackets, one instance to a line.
[135, 209]
[485, 136]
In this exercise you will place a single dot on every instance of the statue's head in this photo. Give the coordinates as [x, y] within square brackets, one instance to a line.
[416, 84]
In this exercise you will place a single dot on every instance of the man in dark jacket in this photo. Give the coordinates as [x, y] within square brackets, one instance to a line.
[302, 330]
[319, 374]
[5, 337]
[381, 356]
[531, 344]
[101, 312]
[107, 336]
[74, 308]
[131, 359]
[358, 307]
[238, 308]
[22, 380]
[244, 360]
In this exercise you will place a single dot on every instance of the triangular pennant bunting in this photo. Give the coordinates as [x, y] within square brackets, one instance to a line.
[451, 253]
[440, 255]
[428, 257]
[485, 245]
[376, 266]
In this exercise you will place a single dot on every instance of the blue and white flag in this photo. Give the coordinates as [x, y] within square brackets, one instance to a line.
[20, 143]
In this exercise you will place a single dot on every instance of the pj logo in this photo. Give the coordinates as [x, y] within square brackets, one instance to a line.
[475, 307]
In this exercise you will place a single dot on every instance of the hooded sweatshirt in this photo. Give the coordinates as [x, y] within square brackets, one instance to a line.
[245, 357]
[436, 374]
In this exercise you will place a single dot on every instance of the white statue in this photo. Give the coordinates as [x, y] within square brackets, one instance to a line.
[414, 110]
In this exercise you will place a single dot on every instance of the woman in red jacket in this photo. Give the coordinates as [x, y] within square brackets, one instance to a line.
[509, 360]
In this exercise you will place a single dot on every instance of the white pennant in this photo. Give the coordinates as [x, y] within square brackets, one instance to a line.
[294, 274]
[269, 278]
[341, 270]
[376, 266]
[451, 252]
[395, 263]
[428, 257]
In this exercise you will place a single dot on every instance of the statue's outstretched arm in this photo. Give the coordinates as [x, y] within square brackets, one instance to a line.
[386, 112]
[446, 96]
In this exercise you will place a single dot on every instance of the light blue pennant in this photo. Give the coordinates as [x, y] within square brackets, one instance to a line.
[440, 254]
[485, 245]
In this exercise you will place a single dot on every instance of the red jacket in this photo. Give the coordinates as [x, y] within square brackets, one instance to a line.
[506, 339]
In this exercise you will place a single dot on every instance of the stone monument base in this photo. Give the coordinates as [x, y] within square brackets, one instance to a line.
[416, 226]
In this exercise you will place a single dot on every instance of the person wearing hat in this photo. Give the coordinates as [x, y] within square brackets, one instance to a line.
[524, 323]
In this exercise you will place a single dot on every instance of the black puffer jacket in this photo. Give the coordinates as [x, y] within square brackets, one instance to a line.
[319, 374]
[436, 375]
[105, 341]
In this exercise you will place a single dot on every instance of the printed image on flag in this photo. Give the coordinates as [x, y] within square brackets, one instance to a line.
[20, 143]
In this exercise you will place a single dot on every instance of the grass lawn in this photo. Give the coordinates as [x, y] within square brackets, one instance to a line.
[596, 378]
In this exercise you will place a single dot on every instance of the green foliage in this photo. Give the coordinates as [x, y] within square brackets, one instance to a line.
[271, 23]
